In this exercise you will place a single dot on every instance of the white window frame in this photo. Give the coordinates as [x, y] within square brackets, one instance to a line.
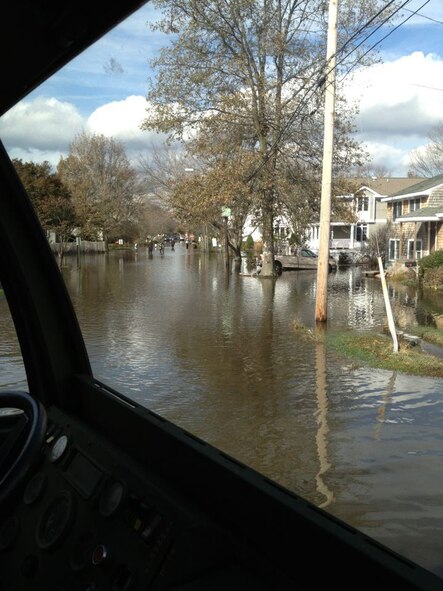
[418, 248]
[397, 209]
[394, 248]
[362, 203]
[363, 232]
[414, 204]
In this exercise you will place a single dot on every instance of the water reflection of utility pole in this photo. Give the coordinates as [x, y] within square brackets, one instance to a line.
[322, 423]
[387, 395]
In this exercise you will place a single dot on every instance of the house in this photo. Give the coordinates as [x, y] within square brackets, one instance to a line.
[368, 207]
[416, 214]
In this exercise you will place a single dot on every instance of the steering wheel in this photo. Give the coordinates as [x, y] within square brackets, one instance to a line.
[21, 437]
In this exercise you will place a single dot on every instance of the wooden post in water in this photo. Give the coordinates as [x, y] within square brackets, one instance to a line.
[391, 323]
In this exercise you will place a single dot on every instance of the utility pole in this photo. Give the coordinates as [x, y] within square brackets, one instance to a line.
[226, 212]
[328, 142]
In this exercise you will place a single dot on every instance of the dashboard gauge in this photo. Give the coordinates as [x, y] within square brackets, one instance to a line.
[111, 498]
[56, 520]
[35, 488]
[59, 448]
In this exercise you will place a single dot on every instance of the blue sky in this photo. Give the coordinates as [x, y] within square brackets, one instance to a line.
[104, 89]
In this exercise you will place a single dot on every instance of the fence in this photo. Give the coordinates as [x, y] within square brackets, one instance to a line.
[85, 246]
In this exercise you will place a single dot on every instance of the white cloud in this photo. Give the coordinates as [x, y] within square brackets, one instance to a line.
[400, 96]
[398, 107]
[44, 121]
[122, 120]
[119, 119]
[400, 102]
[388, 156]
[40, 129]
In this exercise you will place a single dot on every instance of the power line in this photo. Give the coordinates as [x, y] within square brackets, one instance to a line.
[428, 87]
[385, 37]
[312, 90]
[429, 18]
[366, 25]
[379, 26]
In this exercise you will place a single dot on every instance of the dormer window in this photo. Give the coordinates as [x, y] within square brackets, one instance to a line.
[414, 204]
[397, 210]
[362, 203]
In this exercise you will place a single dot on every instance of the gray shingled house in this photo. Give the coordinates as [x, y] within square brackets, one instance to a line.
[416, 214]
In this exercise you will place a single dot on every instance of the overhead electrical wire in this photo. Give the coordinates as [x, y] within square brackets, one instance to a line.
[379, 26]
[429, 18]
[385, 37]
[312, 90]
[366, 25]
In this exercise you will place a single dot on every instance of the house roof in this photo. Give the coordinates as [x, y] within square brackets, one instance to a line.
[425, 214]
[387, 185]
[424, 187]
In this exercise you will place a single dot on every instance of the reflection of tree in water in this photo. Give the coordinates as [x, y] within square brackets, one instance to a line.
[254, 405]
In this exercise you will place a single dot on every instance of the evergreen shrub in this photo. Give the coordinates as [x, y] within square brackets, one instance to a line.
[249, 243]
[432, 261]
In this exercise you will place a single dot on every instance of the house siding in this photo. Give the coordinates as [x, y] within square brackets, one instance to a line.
[436, 197]
[430, 233]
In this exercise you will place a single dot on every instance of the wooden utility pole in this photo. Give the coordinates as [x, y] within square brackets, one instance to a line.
[226, 212]
[325, 207]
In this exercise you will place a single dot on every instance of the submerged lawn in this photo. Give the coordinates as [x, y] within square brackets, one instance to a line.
[376, 350]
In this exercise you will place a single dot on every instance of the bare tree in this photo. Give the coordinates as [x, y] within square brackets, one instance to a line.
[378, 245]
[248, 74]
[373, 171]
[197, 190]
[428, 161]
[102, 183]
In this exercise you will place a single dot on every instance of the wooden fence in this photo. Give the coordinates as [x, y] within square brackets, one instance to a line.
[85, 246]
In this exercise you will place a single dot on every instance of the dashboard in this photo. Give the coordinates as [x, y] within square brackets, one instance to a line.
[90, 518]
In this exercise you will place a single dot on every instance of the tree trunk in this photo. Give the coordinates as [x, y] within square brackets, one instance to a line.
[267, 269]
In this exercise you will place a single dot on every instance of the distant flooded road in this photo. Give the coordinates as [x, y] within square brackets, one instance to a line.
[219, 354]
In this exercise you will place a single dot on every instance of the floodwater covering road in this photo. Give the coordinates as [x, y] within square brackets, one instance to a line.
[220, 354]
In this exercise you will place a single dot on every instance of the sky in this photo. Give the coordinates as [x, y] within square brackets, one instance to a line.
[103, 91]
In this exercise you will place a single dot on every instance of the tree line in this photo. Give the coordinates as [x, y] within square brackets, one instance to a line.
[239, 93]
[94, 193]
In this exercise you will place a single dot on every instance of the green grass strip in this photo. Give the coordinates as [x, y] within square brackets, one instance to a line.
[375, 350]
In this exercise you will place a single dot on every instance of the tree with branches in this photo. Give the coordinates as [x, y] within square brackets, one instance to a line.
[428, 160]
[249, 75]
[50, 198]
[102, 183]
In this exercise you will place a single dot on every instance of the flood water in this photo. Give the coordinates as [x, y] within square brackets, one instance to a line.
[220, 355]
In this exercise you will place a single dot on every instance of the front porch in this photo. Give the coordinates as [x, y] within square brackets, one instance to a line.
[343, 237]
[414, 238]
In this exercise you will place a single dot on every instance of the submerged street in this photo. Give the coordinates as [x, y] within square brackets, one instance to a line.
[220, 355]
